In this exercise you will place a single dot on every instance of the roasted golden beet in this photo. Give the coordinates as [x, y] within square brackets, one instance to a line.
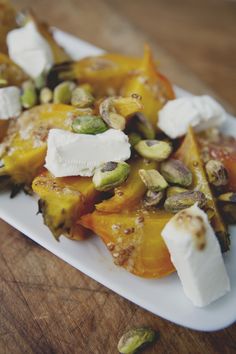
[24, 147]
[153, 87]
[10, 72]
[106, 73]
[189, 152]
[134, 240]
[63, 201]
[129, 193]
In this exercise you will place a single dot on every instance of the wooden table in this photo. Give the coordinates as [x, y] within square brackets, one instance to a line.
[46, 305]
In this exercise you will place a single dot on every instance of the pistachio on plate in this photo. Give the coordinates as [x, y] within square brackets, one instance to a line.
[81, 98]
[131, 341]
[184, 200]
[89, 124]
[216, 173]
[228, 197]
[29, 95]
[176, 172]
[143, 126]
[110, 175]
[45, 95]
[173, 190]
[134, 138]
[152, 199]
[156, 150]
[110, 116]
[63, 92]
[153, 180]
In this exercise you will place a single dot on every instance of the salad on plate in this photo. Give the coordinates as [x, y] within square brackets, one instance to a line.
[107, 148]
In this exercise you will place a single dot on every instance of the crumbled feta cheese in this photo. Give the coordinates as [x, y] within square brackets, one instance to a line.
[71, 154]
[200, 112]
[28, 48]
[196, 255]
[10, 105]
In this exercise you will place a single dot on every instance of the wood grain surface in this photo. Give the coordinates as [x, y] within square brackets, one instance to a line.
[46, 305]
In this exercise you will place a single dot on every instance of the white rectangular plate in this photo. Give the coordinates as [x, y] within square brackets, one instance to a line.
[163, 297]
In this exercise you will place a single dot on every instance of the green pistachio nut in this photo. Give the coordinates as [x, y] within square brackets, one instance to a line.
[110, 116]
[40, 81]
[154, 149]
[46, 95]
[229, 197]
[175, 190]
[216, 173]
[110, 175]
[153, 180]
[131, 341]
[152, 199]
[29, 95]
[143, 126]
[184, 200]
[89, 124]
[63, 92]
[81, 98]
[134, 138]
[176, 172]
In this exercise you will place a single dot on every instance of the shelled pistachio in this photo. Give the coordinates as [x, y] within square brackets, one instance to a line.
[45, 95]
[229, 197]
[216, 173]
[134, 138]
[89, 124]
[152, 199]
[153, 180]
[176, 172]
[110, 116]
[110, 175]
[184, 200]
[81, 98]
[173, 190]
[156, 150]
[29, 96]
[63, 92]
[131, 341]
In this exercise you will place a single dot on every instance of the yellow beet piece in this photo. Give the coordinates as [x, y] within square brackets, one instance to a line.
[23, 150]
[130, 192]
[189, 152]
[152, 86]
[134, 240]
[62, 201]
[7, 22]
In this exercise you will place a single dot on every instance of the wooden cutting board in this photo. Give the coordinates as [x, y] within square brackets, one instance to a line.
[46, 305]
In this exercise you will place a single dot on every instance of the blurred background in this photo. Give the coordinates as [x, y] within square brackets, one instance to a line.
[193, 39]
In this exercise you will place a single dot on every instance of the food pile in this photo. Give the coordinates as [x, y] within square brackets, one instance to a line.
[107, 147]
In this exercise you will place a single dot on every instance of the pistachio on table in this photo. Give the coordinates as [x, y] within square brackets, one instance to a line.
[89, 125]
[63, 92]
[173, 190]
[81, 98]
[176, 172]
[110, 175]
[45, 95]
[29, 95]
[153, 198]
[110, 116]
[131, 341]
[156, 150]
[184, 200]
[228, 197]
[153, 180]
[216, 173]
